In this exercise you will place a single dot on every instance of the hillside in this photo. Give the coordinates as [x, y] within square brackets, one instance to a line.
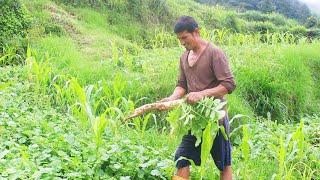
[290, 8]
[79, 37]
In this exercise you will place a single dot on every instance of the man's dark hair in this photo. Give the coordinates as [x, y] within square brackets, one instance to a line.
[185, 23]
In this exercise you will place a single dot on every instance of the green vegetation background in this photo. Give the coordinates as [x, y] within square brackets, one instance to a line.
[129, 47]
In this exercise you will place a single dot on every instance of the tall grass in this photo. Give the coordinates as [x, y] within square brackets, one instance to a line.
[81, 100]
[39, 72]
[276, 79]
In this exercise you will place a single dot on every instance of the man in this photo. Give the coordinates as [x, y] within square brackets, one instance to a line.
[204, 72]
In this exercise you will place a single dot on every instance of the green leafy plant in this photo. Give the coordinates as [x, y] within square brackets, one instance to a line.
[202, 120]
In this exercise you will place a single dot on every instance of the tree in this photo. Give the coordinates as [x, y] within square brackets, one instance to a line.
[267, 6]
[311, 22]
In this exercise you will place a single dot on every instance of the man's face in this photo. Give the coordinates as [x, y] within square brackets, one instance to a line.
[187, 39]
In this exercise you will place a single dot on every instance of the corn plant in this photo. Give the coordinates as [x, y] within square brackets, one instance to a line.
[58, 91]
[206, 145]
[76, 98]
[39, 72]
[220, 35]
[98, 127]
[290, 38]
[74, 95]
[238, 39]
[118, 86]
[127, 59]
[205, 34]
[245, 147]
[299, 139]
[245, 150]
[275, 38]
[294, 155]
[140, 124]
[281, 155]
[256, 38]
[159, 39]
[267, 37]
[83, 106]
[115, 53]
[9, 55]
[162, 39]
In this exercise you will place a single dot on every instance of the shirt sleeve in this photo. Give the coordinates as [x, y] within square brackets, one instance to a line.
[222, 70]
[182, 80]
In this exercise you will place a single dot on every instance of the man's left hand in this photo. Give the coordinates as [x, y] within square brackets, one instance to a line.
[194, 97]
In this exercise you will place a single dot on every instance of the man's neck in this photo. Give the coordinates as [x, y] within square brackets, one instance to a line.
[201, 44]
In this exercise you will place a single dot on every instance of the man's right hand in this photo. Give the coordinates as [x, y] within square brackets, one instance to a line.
[178, 93]
[166, 99]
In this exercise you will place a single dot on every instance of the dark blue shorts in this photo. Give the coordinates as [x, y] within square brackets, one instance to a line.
[220, 152]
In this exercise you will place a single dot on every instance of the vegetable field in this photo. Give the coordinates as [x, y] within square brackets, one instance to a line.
[70, 80]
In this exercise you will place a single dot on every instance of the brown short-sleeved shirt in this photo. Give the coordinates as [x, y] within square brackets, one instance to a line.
[210, 70]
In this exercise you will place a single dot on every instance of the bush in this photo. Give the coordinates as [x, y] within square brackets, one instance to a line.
[311, 22]
[298, 31]
[51, 28]
[230, 21]
[274, 18]
[13, 52]
[211, 20]
[14, 21]
[313, 33]
[262, 27]
[254, 16]
[277, 19]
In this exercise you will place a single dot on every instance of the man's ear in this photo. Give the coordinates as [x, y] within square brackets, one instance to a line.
[196, 32]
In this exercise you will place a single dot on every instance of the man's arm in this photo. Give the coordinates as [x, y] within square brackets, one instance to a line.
[178, 93]
[217, 92]
[220, 66]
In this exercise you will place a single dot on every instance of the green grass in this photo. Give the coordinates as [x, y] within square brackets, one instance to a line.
[276, 79]
[66, 57]
[53, 118]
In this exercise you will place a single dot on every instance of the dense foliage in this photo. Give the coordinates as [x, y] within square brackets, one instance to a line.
[163, 14]
[14, 22]
[142, 10]
[290, 8]
[13, 19]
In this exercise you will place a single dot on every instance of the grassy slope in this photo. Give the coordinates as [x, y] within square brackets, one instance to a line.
[89, 40]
